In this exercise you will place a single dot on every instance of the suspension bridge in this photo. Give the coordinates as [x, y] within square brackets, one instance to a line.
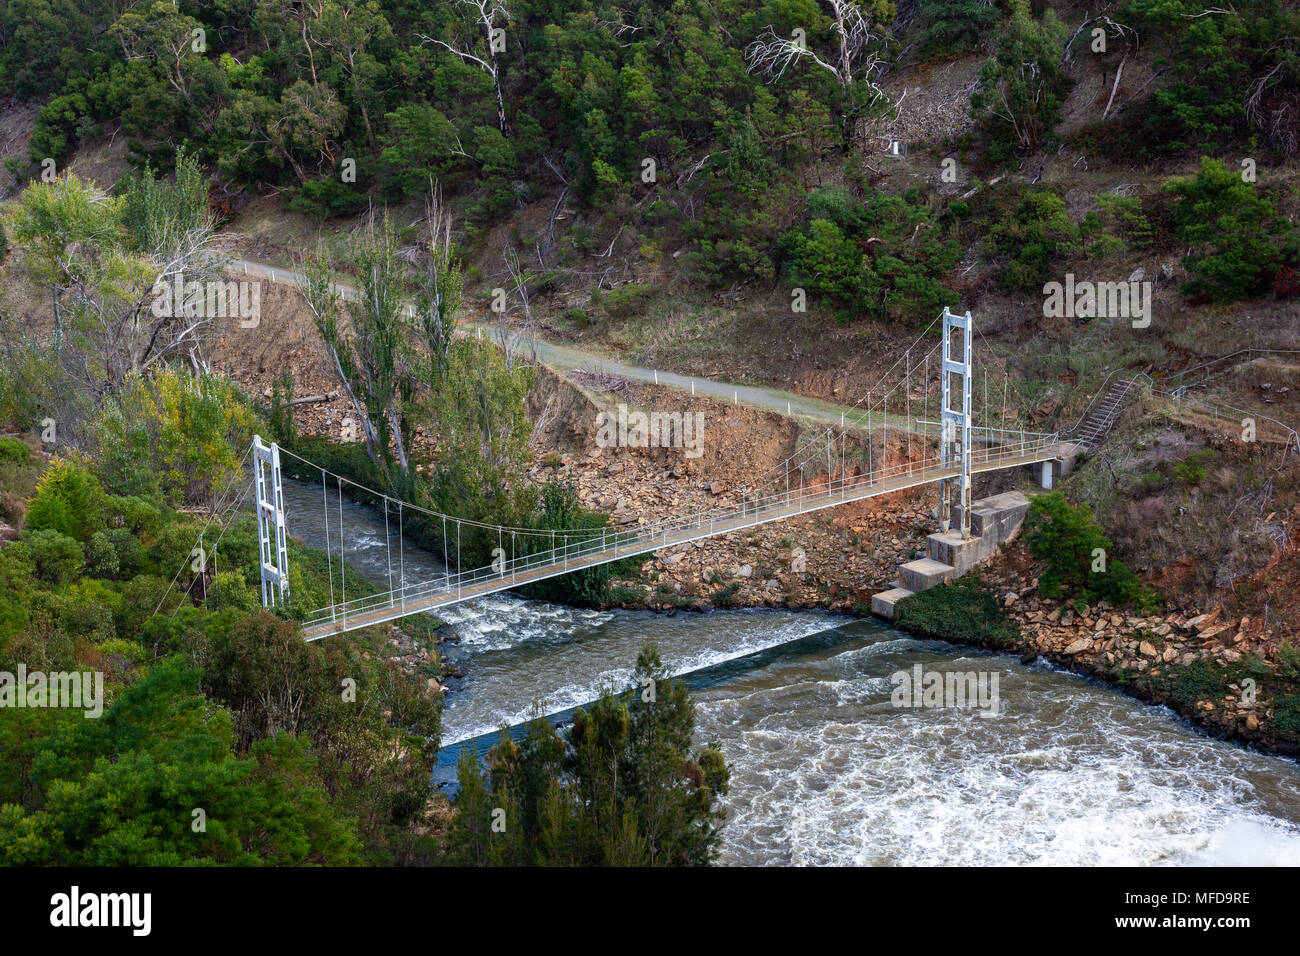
[929, 435]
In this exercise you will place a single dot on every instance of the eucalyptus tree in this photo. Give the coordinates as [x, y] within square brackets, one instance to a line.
[491, 16]
[110, 265]
[365, 334]
[854, 53]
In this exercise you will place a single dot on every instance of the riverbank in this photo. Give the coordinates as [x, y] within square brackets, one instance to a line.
[1231, 675]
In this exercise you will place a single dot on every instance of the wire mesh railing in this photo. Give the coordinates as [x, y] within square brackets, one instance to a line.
[614, 544]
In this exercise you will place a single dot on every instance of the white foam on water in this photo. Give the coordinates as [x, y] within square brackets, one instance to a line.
[1251, 841]
[826, 773]
[748, 635]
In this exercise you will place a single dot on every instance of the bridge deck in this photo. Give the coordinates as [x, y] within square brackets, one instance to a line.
[442, 592]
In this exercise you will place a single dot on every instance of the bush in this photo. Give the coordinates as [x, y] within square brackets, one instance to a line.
[170, 432]
[883, 256]
[89, 609]
[1238, 241]
[68, 500]
[126, 550]
[14, 451]
[1031, 238]
[962, 611]
[101, 556]
[953, 27]
[1191, 471]
[1078, 555]
[140, 516]
[1286, 716]
[57, 557]
[561, 510]
[229, 589]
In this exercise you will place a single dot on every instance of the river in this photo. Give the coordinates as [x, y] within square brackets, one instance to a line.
[827, 769]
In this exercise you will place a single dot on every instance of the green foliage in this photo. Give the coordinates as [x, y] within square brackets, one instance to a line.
[1216, 62]
[229, 590]
[1286, 716]
[101, 557]
[1031, 238]
[326, 197]
[162, 215]
[623, 786]
[953, 27]
[1080, 564]
[58, 558]
[1018, 103]
[68, 500]
[121, 791]
[1191, 471]
[274, 682]
[167, 431]
[483, 434]
[14, 451]
[280, 417]
[727, 596]
[884, 257]
[1237, 239]
[962, 611]
[561, 510]
[624, 301]
[1120, 227]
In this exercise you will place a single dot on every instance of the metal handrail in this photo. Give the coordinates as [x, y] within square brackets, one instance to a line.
[1102, 391]
[663, 533]
[1225, 358]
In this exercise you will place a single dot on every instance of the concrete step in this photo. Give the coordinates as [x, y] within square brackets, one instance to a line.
[999, 516]
[924, 573]
[949, 549]
[886, 602]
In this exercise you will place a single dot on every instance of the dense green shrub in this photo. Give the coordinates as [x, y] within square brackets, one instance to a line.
[167, 431]
[1080, 564]
[1286, 716]
[101, 556]
[14, 451]
[561, 510]
[1216, 62]
[68, 500]
[58, 558]
[1031, 238]
[962, 611]
[1237, 239]
[881, 257]
[953, 27]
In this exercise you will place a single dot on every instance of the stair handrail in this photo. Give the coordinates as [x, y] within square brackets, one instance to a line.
[1103, 389]
[1183, 386]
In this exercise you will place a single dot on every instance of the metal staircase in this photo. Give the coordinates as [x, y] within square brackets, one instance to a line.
[1100, 417]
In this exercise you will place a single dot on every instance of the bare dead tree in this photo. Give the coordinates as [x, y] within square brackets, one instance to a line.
[1273, 103]
[859, 51]
[486, 14]
[520, 279]
[1117, 31]
[439, 293]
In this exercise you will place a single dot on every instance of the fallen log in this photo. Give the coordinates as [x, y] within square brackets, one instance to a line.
[313, 399]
